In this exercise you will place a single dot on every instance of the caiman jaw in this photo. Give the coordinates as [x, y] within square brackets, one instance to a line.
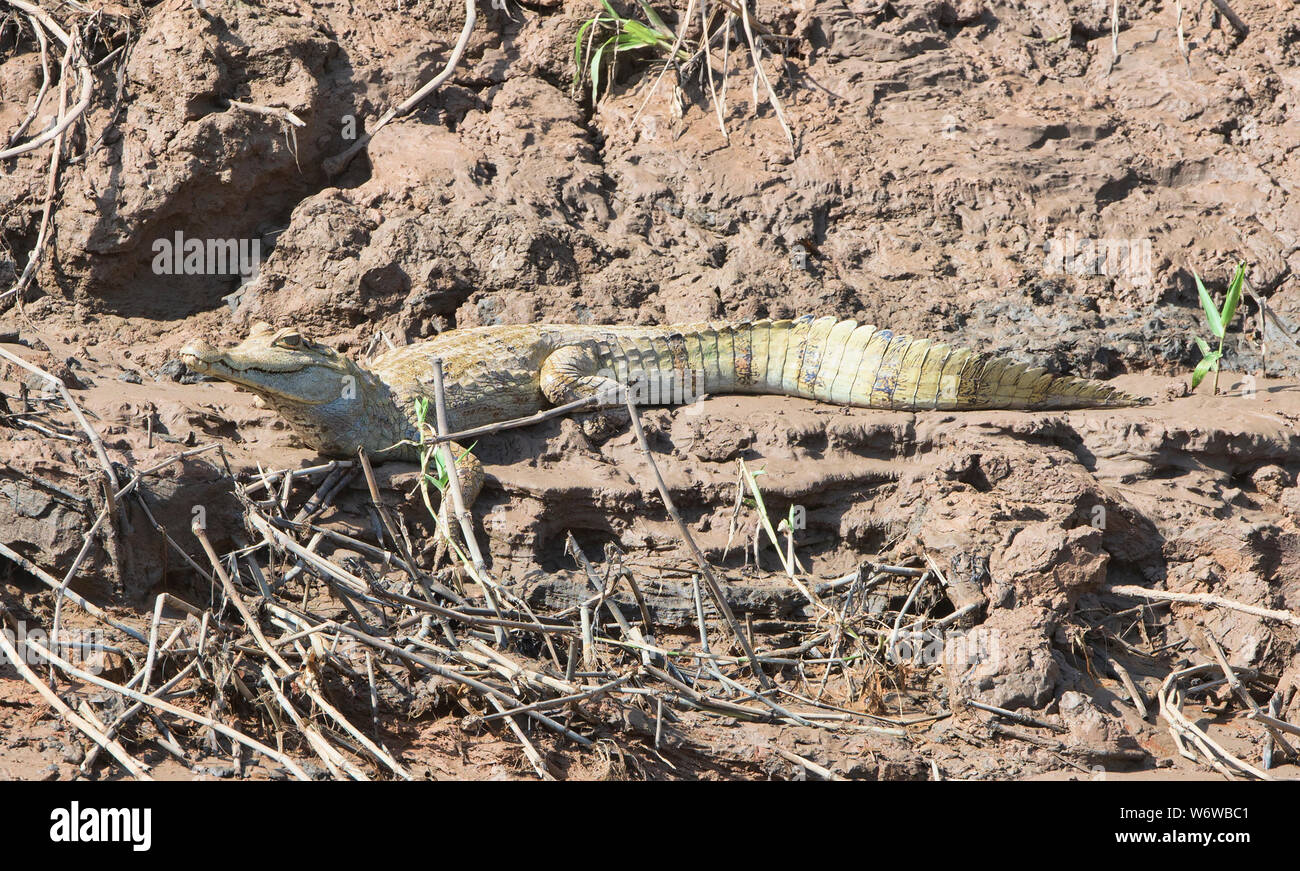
[284, 367]
[333, 404]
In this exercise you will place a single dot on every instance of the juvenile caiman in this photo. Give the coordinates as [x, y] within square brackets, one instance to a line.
[498, 373]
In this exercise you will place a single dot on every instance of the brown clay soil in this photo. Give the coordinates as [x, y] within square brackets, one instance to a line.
[944, 154]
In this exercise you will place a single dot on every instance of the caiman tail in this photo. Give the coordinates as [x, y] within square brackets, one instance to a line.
[825, 359]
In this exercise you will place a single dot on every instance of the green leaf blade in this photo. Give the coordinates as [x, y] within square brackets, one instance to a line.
[1207, 365]
[1234, 295]
[577, 50]
[1211, 310]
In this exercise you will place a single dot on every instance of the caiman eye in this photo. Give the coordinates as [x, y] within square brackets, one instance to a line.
[290, 340]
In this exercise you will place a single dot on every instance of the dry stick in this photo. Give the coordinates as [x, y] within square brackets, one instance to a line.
[736, 508]
[571, 666]
[1269, 317]
[1241, 693]
[408, 560]
[103, 62]
[711, 664]
[898, 620]
[15, 659]
[356, 733]
[45, 80]
[727, 27]
[588, 642]
[235, 599]
[475, 617]
[629, 631]
[146, 671]
[1237, 24]
[167, 740]
[515, 423]
[708, 68]
[265, 479]
[759, 28]
[129, 714]
[458, 497]
[535, 758]
[167, 707]
[382, 510]
[780, 711]
[755, 48]
[1017, 717]
[1182, 41]
[56, 155]
[30, 424]
[1201, 599]
[705, 569]
[108, 506]
[1275, 722]
[823, 773]
[66, 117]
[895, 721]
[452, 674]
[1135, 695]
[1062, 749]
[1182, 730]
[699, 616]
[51, 582]
[333, 759]
[74, 408]
[701, 700]
[672, 55]
[354, 586]
[513, 669]
[338, 163]
[162, 464]
[646, 622]
[171, 542]
[380, 644]
[86, 546]
[273, 111]
[324, 495]
[561, 701]
[374, 694]
[1170, 700]
[254, 627]
[1274, 709]
[1114, 32]
[381, 554]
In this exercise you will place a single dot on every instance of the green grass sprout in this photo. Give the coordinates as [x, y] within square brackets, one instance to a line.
[603, 36]
[1219, 320]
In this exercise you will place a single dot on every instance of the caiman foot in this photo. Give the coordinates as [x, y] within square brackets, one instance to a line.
[602, 425]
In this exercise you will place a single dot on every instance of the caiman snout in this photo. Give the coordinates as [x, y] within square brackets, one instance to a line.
[198, 353]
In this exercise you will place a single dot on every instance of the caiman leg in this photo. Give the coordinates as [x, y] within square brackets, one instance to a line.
[568, 374]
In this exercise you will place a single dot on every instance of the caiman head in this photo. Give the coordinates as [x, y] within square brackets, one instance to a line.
[333, 404]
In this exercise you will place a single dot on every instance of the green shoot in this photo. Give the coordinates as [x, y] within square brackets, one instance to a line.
[604, 35]
[761, 507]
[1218, 320]
[430, 456]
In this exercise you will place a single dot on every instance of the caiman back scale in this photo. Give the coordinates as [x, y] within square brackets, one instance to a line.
[499, 373]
